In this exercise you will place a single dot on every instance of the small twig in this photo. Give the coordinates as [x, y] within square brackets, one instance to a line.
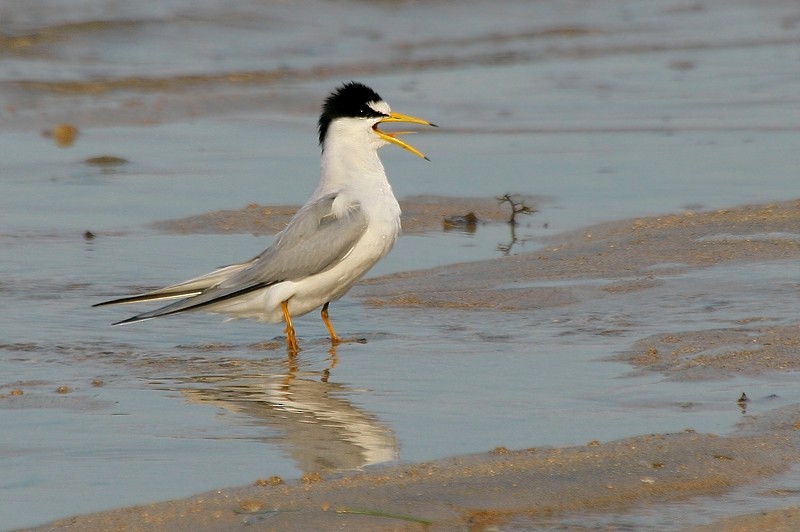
[517, 207]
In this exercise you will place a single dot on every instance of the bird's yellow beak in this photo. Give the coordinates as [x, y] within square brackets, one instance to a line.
[392, 137]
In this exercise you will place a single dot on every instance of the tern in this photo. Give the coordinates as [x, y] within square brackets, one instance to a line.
[349, 223]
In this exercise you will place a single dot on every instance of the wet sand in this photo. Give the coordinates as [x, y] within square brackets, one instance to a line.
[630, 253]
[479, 491]
[536, 487]
[420, 213]
[608, 110]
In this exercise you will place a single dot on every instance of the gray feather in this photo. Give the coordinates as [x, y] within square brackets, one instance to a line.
[313, 241]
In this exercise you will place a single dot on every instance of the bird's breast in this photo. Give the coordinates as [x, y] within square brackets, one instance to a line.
[384, 217]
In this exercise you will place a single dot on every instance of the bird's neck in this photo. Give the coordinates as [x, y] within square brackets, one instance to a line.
[350, 164]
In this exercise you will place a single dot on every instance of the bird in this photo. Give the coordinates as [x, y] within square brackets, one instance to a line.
[349, 223]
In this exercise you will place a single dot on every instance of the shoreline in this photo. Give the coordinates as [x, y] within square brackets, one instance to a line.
[420, 214]
[476, 492]
[503, 487]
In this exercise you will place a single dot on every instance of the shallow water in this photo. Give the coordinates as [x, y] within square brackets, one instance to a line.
[606, 112]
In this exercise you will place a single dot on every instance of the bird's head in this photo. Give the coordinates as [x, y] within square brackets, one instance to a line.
[354, 110]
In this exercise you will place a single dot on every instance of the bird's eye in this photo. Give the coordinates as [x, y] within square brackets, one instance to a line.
[362, 112]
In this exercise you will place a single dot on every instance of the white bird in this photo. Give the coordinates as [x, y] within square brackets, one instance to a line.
[350, 222]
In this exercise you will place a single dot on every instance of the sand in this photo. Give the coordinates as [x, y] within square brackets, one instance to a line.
[529, 488]
[630, 252]
[420, 213]
[479, 491]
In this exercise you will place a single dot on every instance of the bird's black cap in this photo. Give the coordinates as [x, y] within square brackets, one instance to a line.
[350, 100]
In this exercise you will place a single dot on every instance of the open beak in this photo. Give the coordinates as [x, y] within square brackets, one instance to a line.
[392, 137]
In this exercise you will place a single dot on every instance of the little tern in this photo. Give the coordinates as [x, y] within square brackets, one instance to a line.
[349, 223]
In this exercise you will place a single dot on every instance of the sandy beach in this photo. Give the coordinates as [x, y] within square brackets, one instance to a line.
[541, 487]
[526, 489]
[624, 358]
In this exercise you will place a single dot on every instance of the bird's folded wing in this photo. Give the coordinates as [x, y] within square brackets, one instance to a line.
[314, 241]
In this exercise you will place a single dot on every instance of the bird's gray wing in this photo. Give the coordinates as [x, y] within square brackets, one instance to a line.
[314, 240]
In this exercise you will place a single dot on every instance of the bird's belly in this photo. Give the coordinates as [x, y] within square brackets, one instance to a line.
[252, 306]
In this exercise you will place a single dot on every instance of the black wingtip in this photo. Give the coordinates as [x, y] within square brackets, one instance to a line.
[134, 319]
[148, 297]
[118, 301]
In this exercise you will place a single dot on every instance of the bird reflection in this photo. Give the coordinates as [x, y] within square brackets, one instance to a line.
[319, 428]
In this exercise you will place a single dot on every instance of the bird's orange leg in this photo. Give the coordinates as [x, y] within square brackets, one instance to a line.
[291, 339]
[324, 315]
